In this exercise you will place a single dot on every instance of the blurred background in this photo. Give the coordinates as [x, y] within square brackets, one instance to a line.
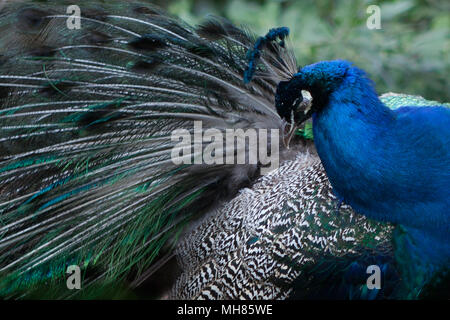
[409, 54]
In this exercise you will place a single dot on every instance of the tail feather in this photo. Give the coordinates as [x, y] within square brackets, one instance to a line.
[86, 119]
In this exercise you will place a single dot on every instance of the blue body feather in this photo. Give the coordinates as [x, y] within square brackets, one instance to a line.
[390, 165]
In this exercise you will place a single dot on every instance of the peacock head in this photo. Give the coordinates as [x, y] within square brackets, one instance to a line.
[320, 80]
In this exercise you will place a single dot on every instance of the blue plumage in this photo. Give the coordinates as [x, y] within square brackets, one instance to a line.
[390, 165]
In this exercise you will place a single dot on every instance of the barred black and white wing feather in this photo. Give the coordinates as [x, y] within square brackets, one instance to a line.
[283, 238]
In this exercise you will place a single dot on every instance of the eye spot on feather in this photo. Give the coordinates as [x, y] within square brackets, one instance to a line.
[147, 42]
[89, 119]
[42, 51]
[56, 88]
[201, 50]
[95, 14]
[215, 30]
[211, 30]
[97, 116]
[4, 92]
[97, 37]
[31, 18]
[146, 10]
[3, 60]
[144, 65]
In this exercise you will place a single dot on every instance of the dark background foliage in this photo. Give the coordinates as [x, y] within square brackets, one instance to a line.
[409, 54]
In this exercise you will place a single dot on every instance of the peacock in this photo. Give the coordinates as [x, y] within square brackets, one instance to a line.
[87, 176]
[406, 150]
[310, 247]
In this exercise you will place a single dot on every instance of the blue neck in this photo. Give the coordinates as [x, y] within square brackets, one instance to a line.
[348, 149]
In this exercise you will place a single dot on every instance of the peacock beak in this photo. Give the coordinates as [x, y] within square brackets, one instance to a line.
[307, 105]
